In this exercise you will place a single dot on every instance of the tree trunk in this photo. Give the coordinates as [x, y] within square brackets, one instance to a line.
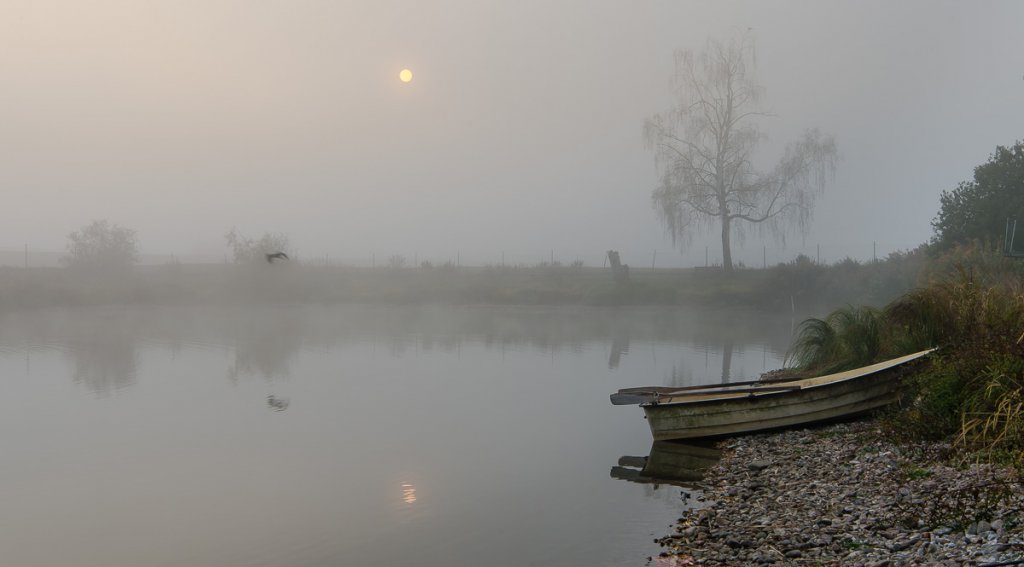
[726, 249]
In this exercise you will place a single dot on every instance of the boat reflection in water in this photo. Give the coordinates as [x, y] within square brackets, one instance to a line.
[670, 462]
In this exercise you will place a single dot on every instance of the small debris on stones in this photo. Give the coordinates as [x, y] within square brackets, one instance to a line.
[842, 495]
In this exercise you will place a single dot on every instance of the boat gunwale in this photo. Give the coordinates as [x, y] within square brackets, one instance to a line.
[795, 386]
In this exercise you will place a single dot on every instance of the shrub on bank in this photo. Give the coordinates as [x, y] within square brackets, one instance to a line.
[972, 390]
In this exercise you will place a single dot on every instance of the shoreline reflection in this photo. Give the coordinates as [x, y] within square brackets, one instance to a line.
[103, 344]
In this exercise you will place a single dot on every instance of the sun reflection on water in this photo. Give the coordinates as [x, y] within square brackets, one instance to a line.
[408, 493]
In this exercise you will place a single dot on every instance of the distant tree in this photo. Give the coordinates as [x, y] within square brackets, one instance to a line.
[704, 146]
[102, 245]
[396, 261]
[977, 210]
[246, 250]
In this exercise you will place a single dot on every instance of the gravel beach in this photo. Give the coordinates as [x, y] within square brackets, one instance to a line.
[838, 495]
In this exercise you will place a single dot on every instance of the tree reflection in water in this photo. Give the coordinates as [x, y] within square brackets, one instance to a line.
[104, 361]
[620, 347]
[265, 342]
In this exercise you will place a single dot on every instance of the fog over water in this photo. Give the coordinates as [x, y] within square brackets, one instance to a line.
[236, 437]
[520, 132]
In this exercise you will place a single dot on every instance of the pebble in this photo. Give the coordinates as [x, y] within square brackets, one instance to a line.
[758, 466]
[841, 495]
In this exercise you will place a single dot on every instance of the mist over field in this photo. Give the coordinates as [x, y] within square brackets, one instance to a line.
[518, 140]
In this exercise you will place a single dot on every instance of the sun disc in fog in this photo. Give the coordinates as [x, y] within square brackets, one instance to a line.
[405, 75]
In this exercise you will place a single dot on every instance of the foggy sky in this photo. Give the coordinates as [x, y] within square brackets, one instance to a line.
[520, 133]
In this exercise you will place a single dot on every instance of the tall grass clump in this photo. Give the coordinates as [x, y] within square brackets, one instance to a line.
[993, 418]
[846, 338]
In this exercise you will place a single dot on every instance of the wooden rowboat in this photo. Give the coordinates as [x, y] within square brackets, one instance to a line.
[745, 407]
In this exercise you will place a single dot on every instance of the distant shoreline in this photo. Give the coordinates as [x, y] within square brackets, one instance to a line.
[802, 288]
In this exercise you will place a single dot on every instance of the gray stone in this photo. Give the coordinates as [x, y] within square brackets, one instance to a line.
[902, 544]
[758, 466]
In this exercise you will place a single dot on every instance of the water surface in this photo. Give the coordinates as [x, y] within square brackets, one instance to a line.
[315, 436]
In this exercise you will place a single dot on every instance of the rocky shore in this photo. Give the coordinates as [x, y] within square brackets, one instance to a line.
[839, 495]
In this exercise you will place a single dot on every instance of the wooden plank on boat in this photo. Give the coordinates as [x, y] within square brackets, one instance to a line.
[620, 398]
[645, 394]
[671, 389]
[752, 391]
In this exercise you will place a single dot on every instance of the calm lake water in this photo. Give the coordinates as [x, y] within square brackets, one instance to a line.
[326, 436]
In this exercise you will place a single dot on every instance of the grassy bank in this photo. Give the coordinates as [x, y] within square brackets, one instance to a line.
[801, 285]
[971, 391]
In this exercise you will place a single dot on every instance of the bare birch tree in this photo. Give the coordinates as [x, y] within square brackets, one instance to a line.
[704, 145]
